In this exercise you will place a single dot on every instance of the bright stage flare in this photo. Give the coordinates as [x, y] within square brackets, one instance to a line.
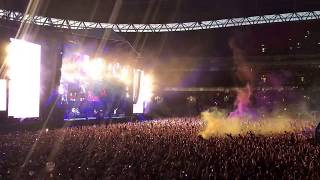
[147, 88]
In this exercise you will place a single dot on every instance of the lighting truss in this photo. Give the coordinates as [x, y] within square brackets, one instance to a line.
[169, 27]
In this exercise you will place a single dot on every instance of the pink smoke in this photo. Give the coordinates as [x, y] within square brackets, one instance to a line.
[244, 74]
[242, 102]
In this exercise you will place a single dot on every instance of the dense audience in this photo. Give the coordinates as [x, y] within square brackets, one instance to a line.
[163, 149]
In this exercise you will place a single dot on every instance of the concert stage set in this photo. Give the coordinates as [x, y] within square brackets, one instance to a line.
[52, 77]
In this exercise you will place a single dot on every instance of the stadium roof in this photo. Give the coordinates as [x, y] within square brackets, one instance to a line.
[158, 11]
[275, 38]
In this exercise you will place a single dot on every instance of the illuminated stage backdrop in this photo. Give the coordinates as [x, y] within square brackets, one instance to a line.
[92, 86]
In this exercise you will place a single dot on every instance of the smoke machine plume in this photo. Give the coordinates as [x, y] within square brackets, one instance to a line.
[245, 118]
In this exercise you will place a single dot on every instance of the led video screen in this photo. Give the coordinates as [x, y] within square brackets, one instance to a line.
[23, 60]
[144, 91]
[92, 86]
[3, 95]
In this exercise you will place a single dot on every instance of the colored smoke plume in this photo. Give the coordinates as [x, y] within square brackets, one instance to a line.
[219, 123]
[244, 118]
[242, 102]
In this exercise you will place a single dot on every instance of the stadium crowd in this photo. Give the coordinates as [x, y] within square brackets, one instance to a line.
[162, 149]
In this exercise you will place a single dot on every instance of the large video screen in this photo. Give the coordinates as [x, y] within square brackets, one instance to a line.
[3, 95]
[143, 91]
[24, 60]
[92, 85]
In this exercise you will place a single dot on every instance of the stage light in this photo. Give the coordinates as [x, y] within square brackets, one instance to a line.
[147, 88]
[124, 71]
[95, 68]
[124, 75]
[114, 70]
[109, 67]
[60, 89]
[23, 60]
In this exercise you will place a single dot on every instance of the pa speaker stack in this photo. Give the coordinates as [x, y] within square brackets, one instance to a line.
[317, 134]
